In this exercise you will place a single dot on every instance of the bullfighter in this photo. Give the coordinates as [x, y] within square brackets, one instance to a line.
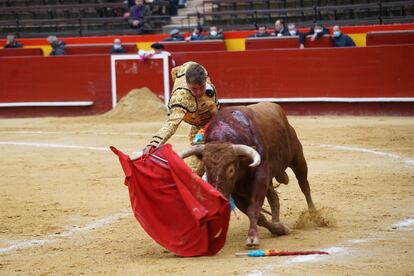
[194, 100]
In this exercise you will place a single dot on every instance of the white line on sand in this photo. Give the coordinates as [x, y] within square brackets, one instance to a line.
[83, 132]
[408, 161]
[404, 224]
[74, 230]
[49, 145]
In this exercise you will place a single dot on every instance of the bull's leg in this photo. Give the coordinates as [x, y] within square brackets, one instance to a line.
[253, 234]
[274, 204]
[300, 168]
[276, 227]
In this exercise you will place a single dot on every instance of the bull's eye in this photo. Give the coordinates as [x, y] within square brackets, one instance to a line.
[230, 170]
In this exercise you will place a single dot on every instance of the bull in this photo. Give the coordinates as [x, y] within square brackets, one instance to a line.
[245, 148]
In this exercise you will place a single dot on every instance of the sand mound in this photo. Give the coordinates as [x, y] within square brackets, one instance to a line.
[138, 105]
[323, 217]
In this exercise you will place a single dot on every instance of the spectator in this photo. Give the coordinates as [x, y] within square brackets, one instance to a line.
[197, 34]
[317, 31]
[11, 42]
[158, 49]
[292, 30]
[118, 48]
[138, 17]
[261, 32]
[340, 39]
[280, 28]
[214, 34]
[174, 36]
[58, 46]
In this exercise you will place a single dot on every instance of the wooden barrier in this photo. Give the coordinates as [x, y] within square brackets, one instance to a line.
[355, 80]
[13, 52]
[390, 37]
[286, 42]
[88, 49]
[194, 46]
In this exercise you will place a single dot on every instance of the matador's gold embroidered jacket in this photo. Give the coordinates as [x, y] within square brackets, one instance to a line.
[185, 106]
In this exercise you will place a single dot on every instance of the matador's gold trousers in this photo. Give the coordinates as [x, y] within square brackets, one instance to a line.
[193, 161]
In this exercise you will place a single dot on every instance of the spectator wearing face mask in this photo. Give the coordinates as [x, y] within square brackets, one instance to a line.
[214, 34]
[317, 31]
[292, 30]
[340, 39]
[196, 34]
[280, 28]
[117, 48]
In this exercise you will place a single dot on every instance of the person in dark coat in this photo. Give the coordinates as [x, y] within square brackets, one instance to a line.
[11, 42]
[317, 31]
[196, 34]
[138, 15]
[280, 28]
[340, 39]
[58, 47]
[174, 36]
[261, 32]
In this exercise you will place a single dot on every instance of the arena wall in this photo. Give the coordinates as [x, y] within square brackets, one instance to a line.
[361, 80]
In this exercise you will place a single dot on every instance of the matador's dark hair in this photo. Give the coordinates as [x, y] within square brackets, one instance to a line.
[195, 74]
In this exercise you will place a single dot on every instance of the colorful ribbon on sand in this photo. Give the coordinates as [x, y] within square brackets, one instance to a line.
[263, 253]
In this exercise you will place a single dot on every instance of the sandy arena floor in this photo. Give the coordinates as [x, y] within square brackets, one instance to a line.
[65, 211]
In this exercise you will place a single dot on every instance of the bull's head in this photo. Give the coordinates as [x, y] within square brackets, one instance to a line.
[222, 163]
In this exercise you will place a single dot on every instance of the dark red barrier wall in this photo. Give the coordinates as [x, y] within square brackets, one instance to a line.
[194, 46]
[377, 71]
[15, 52]
[390, 37]
[286, 42]
[87, 49]
[380, 71]
[63, 78]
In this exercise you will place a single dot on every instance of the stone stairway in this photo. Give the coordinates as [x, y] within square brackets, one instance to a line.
[180, 21]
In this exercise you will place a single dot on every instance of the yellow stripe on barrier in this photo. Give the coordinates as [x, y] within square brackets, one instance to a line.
[235, 44]
[359, 39]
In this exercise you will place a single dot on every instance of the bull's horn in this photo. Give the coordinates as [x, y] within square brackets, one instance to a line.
[249, 152]
[194, 150]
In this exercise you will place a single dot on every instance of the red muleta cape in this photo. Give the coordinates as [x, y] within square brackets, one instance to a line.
[178, 209]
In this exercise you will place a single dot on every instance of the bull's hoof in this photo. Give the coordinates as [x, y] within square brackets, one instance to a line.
[252, 242]
[280, 229]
